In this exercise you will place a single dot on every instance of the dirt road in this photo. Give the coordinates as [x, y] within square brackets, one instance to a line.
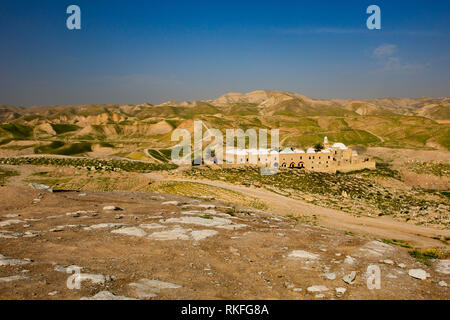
[381, 227]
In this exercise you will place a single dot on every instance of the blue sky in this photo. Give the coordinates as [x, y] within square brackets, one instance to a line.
[152, 51]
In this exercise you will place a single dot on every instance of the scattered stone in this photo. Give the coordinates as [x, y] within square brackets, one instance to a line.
[173, 203]
[12, 262]
[349, 260]
[442, 283]
[401, 265]
[418, 274]
[301, 254]
[66, 269]
[340, 290]
[329, 276]
[112, 208]
[53, 293]
[392, 276]
[106, 295]
[350, 278]
[12, 215]
[57, 229]
[388, 261]
[7, 223]
[319, 296]
[318, 288]
[159, 284]
[210, 222]
[297, 289]
[39, 186]
[104, 226]
[82, 194]
[131, 231]
[118, 216]
[13, 278]
[94, 278]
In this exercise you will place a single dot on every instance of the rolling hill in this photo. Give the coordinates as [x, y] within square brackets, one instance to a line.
[131, 129]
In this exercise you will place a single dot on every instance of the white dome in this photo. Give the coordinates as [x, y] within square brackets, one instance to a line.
[325, 151]
[273, 152]
[311, 150]
[339, 145]
[299, 151]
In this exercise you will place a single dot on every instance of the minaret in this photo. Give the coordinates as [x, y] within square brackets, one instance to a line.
[326, 144]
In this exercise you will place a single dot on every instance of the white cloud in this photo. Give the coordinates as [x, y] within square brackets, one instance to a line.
[390, 62]
[385, 50]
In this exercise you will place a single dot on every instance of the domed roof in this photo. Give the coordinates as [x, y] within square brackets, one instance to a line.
[339, 145]
[299, 151]
[325, 151]
[311, 150]
[286, 150]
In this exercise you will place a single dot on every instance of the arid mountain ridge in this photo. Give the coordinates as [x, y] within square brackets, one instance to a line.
[392, 122]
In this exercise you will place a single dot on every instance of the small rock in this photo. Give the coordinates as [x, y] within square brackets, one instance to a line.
[13, 278]
[401, 265]
[418, 273]
[53, 293]
[106, 295]
[442, 283]
[320, 296]
[329, 276]
[303, 255]
[388, 261]
[317, 288]
[173, 203]
[340, 290]
[112, 208]
[350, 278]
[349, 260]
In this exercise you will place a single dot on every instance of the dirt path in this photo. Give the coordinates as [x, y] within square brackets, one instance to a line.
[380, 227]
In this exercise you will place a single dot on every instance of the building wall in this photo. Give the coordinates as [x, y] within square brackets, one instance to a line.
[337, 159]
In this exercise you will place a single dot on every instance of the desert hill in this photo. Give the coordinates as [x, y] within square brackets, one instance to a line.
[303, 121]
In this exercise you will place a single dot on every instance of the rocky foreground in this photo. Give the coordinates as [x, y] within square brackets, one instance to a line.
[124, 245]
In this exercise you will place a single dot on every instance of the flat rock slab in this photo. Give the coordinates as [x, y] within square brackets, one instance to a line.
[152, 226]
[104, 226]
[179, 233]
[131, 231]
[176, 233]
[13, 278]
[443, 266]
[203, 234]
[376, 249]
[301, 254]
[317, 288]
[418, 274]
[10, 222]
[206, 222]
[159, 284]
[112, 208]
[142, 291]
[329, 276]
[106, 295]
[94, 278]
[172, 203]
[13, 262]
